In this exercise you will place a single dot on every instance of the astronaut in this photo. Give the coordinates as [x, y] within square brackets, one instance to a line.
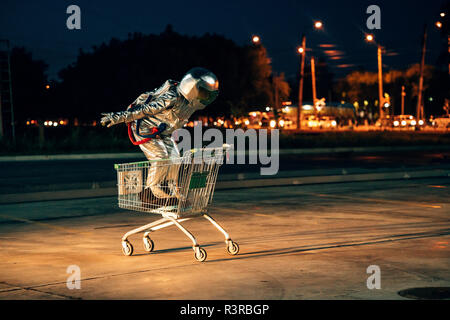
[153, 117]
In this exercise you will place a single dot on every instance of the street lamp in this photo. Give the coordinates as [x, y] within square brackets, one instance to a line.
[438, 24]
[256, 39]
[318, 24]
[369, 37]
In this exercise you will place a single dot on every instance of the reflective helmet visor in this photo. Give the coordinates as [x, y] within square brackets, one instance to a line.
[205, 96]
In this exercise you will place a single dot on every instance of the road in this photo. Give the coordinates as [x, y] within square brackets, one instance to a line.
[296, 242]
[34, 176]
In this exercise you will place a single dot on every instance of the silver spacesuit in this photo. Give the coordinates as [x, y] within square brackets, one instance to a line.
[158, 113]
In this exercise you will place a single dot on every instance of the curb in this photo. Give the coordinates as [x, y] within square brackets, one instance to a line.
[139, 155]
[227, 185]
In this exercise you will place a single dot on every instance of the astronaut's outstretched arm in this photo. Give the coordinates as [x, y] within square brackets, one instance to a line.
[140, 110]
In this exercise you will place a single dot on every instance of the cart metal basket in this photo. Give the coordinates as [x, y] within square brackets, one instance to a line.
[179, 189]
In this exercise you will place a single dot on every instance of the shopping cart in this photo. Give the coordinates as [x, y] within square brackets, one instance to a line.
[179, 189]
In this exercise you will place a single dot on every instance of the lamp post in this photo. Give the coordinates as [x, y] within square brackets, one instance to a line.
[403, 100]
[313, 79]
[318, 25]
[371, 38]
[419, 111]
[302, 51]
[380, 82]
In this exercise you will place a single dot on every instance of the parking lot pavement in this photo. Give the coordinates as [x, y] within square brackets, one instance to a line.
[297, 242]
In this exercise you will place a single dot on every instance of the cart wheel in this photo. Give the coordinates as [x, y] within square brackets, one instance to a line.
[148, 244]
[200, 254]
[127, 248]
[233, 248]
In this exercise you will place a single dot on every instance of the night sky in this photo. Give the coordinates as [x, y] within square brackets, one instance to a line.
[40, 26]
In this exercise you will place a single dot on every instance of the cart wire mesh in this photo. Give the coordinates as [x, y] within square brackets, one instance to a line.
[174, 187]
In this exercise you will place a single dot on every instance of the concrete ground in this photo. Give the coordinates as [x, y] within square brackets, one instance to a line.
[296, 242]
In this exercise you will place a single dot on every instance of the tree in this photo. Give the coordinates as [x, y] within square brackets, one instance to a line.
[112, 75]
[28, 81]
[360, 86]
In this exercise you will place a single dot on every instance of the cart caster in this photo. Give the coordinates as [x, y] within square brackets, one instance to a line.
[148, 244]
[232, 248]
[127, 248]
[200, 254]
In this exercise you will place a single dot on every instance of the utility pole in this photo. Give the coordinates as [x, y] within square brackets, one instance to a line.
[403, 100]
[380, 83]
[275, 109]
[313, 77]
[1, 117]
[300, 86]
[6, 103]
[419, 111]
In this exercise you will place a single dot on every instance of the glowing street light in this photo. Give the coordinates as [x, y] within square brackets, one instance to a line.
[47, 87]
[318, 25]
[438, 24]
[442, 14]
[300, 50]
[369, 37]
[256, 39]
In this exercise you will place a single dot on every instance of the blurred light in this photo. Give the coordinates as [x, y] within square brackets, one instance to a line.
[281, 123]
[410, 117]
[386, 105]
[45, 123]
[247, 122]
[334, 123]
[430, 99]
[47, 87]
[421, 122]
[442, 14]
[256, 39]
[300, 50]
[413, 122]
[396, 123]
[403, 123]
[272, 123]
[50, 123]
[318, 24]
[370, 37]
[61, 122]
[267, 109]
[55, 124]
[366, 103]
[307, 107]
[438, 24]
